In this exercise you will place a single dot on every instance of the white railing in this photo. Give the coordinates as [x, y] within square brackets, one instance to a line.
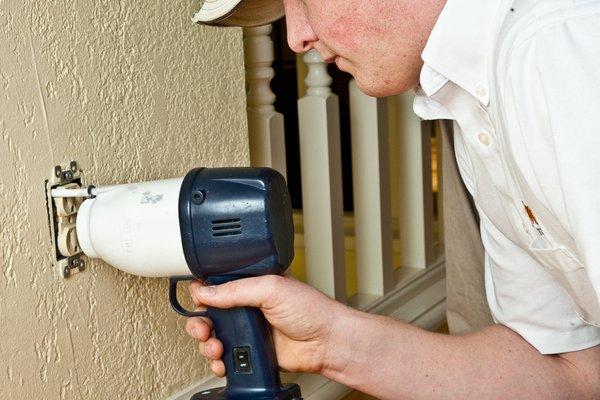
[393, 214]
[372, 195]
[414, 203]
[265, 125]
[321, 168]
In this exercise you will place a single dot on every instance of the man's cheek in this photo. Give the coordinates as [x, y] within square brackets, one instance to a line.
[340, 36]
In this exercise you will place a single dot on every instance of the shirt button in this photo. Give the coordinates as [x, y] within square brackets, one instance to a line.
[480, 91]
[484, 138]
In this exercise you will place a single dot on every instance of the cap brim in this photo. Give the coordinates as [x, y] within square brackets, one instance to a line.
[239, 12]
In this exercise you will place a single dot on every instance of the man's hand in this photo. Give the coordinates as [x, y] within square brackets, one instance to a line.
[389, 359]
[303, 319]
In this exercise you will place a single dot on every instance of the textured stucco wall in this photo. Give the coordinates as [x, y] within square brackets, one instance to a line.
[132, 91]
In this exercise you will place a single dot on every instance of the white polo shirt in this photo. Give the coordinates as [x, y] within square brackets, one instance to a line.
[521, 80]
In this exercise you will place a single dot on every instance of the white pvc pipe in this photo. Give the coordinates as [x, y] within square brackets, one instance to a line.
[135, 228]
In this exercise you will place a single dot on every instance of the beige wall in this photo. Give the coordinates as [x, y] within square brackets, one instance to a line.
[132, 91]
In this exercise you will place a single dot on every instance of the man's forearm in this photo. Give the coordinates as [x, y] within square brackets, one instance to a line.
[393, 360]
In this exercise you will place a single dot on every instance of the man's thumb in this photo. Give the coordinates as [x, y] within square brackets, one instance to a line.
[239, 293]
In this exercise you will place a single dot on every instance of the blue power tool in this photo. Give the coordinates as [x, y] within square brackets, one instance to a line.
[229, 223]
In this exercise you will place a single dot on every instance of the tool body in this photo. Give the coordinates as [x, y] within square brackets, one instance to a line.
[218, 225]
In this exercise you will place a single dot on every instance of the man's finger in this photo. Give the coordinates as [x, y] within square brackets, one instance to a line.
[199, 328]
[193, 288]
[252, 292]
[218, 368]
[212, 349]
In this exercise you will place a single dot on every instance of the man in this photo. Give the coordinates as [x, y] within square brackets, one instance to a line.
[521, 80]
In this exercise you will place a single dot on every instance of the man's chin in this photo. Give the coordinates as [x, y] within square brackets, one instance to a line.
[377, 89]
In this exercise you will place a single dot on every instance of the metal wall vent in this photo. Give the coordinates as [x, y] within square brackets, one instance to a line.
[227, 227]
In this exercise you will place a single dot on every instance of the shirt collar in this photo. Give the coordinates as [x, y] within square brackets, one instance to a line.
[459, 47]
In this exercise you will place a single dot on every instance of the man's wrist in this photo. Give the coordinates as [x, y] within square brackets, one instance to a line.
[342, 346]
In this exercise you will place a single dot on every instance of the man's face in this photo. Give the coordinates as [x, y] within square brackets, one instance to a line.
[379, 42]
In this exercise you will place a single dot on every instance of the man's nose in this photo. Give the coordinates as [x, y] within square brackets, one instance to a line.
[299, 32]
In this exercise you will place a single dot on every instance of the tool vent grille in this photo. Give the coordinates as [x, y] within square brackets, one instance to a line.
[227, 227]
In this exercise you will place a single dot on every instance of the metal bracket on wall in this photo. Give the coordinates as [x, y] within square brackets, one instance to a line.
[62, 214]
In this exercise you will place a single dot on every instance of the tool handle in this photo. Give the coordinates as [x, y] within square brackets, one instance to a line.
[248, 352]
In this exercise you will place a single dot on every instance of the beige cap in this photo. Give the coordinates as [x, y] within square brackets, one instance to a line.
[239, 12]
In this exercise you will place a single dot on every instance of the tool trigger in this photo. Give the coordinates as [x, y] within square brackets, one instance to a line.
[173, 281]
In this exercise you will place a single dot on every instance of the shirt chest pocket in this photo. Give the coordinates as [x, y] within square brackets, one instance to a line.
[570, 273]
[553, 256]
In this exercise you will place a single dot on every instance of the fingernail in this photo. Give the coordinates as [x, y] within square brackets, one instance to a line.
[196, 333]
[208, 349]
[207, 290]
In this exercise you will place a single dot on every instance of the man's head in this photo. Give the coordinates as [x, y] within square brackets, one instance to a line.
[379, 42]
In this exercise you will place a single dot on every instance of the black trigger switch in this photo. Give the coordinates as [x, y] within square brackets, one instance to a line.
[241, 360]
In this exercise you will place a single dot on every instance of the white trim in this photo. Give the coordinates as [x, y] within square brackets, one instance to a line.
[418, 298]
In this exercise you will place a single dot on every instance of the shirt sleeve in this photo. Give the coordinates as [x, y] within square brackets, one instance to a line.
[554, 87]
[567, 59]
[552, 105]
